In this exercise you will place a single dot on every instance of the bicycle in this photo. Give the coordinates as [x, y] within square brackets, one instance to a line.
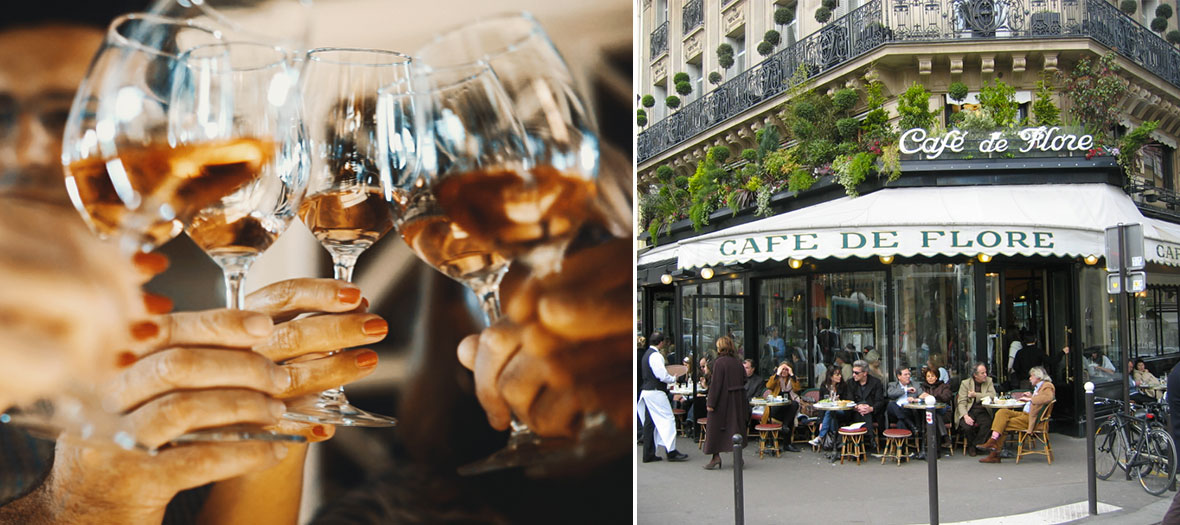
[1138, 444]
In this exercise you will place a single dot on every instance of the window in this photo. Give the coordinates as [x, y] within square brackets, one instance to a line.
[658, 111]
[739, 50]
[782, 327]
[694, 78]
[848, 310]
[935, 316]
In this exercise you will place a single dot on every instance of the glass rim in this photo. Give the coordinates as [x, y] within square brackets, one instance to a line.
[117, 37]
[217, 16]
[284, 55]
[318, 55]
[534, 30]
[478, 68]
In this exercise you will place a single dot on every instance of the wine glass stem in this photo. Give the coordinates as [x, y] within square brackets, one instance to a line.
[233, 270]
[489, 299]
[342, 265]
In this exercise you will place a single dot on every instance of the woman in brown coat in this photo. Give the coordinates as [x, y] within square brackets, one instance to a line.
[728, 411]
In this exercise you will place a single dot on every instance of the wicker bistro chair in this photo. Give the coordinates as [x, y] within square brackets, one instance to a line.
[1028, 441]
[809, 426]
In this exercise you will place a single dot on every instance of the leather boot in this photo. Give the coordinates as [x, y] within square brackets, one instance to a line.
[990, 444]
[992, 457]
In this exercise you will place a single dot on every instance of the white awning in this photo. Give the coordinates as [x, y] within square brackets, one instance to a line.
[1061, 220]
[661, 252]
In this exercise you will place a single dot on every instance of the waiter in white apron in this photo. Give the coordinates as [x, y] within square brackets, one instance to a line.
[653, 407]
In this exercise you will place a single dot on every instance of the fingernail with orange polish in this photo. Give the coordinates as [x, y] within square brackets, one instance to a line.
[144, 330]
[125, 359]
[151, 262]
[320, 431]
[376, 326]
[349, 295]
[366, 359]
[156, 304]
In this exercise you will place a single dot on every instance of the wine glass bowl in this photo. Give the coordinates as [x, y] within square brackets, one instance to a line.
[240, 103]
[536, 213]
[122, 174]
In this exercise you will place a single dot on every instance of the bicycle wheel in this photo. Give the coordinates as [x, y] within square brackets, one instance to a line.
[1107, 451]
[1157, 468]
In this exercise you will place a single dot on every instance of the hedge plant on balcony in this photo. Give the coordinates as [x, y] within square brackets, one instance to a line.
[1129, 6]
[1159, 24]
[784, 16]
[957, 92]
[823, 14]
[1173, 37]
[998, 100]
[665, 205]
[715, 78]
[640, 118]
[913, 106]
[672, 101]
[725, 55]
[648, 101]
[765, 48]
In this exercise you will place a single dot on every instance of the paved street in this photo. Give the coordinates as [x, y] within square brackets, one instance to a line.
[804, 487]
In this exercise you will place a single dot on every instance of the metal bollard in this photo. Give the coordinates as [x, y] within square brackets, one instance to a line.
[932, 451]
[1091, 476]
[738, 510]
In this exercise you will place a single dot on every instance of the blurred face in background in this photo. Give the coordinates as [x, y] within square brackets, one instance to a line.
[40, 68]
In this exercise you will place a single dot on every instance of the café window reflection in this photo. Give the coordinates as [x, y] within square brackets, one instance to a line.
[849, 314]
[782, 326]
[935, 315]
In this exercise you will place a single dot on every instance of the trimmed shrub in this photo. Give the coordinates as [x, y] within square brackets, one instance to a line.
[750, 155]
[774, 37]
[1128, 6]
[664, 173]
[806, 110]
[1159, 24]
[725, 55]
[715, 78]
[680, 77]
[1164, 11]
[672, 101]
[720, 153]
[1173, 36]
[648, 101]
[823, 14]
[844, 99]
[848, 128]
[784, 16]
[684, 87]
[765, 48]
[957, 91]
[640, 119]
[830, 4]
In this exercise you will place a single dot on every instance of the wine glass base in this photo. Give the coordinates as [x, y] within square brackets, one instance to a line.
[542, 457]
[236, 433]
[342, 415]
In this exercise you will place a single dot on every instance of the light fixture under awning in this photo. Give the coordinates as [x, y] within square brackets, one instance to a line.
[1060, 220]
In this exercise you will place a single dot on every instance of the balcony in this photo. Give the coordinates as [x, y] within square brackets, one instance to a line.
[881, 22]
[659, 41]
[693, 15]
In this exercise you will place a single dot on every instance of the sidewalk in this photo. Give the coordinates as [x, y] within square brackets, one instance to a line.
[805, 487]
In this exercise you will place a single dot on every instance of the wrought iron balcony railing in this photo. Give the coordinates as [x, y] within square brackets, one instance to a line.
[659, 40]
[884, 21]
[693, 15]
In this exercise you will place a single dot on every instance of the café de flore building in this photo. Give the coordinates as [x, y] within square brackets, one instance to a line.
[948, 265]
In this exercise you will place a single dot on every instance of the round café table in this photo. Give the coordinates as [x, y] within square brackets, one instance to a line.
[937, 420]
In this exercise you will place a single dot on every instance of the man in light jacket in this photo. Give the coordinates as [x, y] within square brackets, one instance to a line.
[973, 418]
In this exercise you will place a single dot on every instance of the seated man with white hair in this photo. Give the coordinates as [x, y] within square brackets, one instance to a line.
[1007, 420]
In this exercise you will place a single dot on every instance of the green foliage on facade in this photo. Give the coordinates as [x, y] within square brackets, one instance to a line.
[725, 55]
[774, 37]
[684, 87]
[715, 78]
[998, 100]
[1159, 24]
[640, 117]
[765, 48]
[1164, 11]
[1130, 145]
[1173, 37]
[957, 91]
[845, 99]
[1044, 110]
[648, 101]
[672, 101]
[784, 16]
[913, 106]
[1129, 6]
[1094, 89]
[822, 15]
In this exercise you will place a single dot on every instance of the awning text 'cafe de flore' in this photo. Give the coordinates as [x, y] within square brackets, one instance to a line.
[978, 244]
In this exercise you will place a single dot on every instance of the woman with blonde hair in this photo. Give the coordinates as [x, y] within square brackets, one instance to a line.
[726, 403]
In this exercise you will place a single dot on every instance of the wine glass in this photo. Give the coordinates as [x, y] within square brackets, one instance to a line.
[459, 121]
[284, 23]
[122, 174]
[345, 207]
[244, 95]
[531, 215]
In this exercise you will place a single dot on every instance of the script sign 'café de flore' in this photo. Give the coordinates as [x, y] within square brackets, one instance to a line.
[986, 238]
